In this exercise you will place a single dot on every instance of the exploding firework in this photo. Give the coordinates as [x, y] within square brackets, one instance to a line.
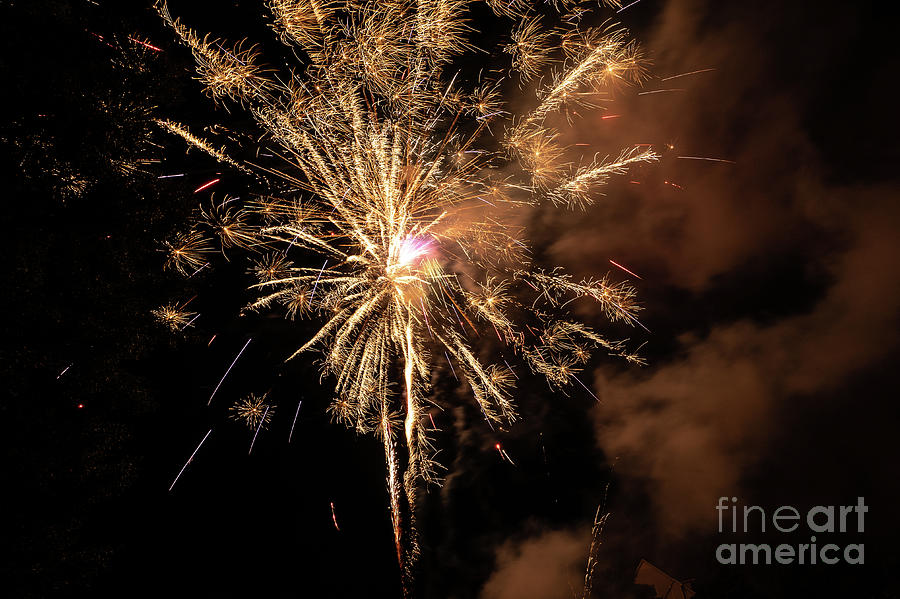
[254, 411]
[391, 188]
[173, 317]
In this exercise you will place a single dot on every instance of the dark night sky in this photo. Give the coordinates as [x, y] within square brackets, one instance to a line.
[770, 287]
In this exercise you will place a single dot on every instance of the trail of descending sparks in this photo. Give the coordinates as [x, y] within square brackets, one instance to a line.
[190, 459]
[406, 178]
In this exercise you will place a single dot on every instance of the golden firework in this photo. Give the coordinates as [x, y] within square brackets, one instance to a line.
[173, 317]
[390, 214]
[254, 411]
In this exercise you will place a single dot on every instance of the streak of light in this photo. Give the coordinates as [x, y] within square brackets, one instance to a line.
[145, 44]
[503, 454]
[65, 370]
[510, 369]
[451, 366]
[296, 414]
[100, 37]
[585, 387]
[321, 270]
[227, 371]
[706, 158]
[190, 459]
[627, 6]
[207, 185]
[617, 265]
[198, 270]
[334, 518]
[190, 322]
[686, 74]
[259, 426]
[660, 91]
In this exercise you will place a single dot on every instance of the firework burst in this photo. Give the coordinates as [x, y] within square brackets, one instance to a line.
[254, 411]
[173, 317]
[388, 208]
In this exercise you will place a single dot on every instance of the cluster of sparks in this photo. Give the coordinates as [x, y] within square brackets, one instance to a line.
[254, 411]
[391, 206]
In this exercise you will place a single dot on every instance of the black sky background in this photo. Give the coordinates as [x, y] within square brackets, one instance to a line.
[770, 287]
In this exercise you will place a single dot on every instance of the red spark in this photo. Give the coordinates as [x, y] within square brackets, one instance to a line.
[206, 185]
[616, 264]
[100, 37]
[145, 44]
[334, 518]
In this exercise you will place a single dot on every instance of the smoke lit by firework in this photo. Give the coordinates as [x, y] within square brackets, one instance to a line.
[389, 193]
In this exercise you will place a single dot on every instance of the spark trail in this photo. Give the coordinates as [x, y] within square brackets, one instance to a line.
[190, 459]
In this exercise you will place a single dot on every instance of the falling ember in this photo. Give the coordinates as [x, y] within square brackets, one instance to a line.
[198, 270]
[144, 44]
[259, 426]
[390, 190]
[64, 370]
[503, 454]
[697, 72]
[190, 322]
[318, 277]
[190, 459]
[586, 388]
[334, 518]
[216, 390]
[294, 423]
[661, 91]
[617, 265]
[206, 185]
[705, 158]
[629, 5]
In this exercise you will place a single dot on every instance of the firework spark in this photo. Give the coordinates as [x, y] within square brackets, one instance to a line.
[334, 518]
[174, 317]
[389, 206]
[254, 411]
[190, 459]
[236, 358]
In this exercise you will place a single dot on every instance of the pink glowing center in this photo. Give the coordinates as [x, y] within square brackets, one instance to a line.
[413, 249]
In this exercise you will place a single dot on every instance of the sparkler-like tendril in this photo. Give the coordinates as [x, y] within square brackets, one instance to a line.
[390, 212]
